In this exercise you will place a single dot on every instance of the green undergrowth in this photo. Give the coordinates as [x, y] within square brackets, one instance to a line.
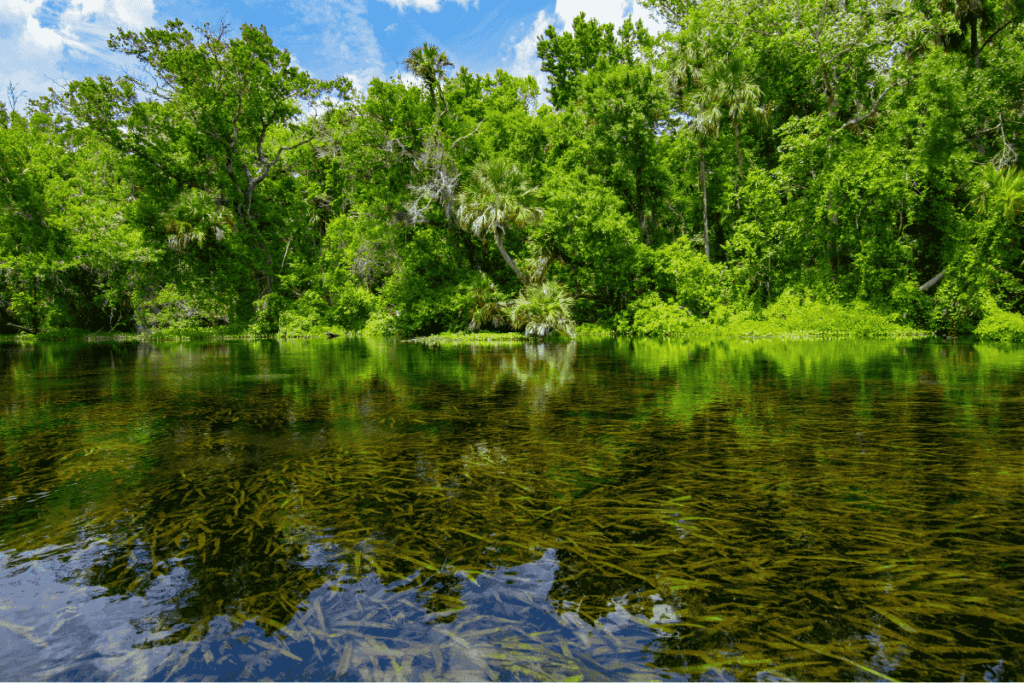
[791, 316]
[1000, 325]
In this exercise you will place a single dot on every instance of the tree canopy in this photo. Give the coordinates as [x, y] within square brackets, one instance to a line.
[833, 150]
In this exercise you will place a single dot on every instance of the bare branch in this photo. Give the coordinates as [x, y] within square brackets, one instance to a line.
[469, 134]
[934, 281]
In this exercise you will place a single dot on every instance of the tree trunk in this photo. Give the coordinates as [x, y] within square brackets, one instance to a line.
[934, 281]
[641, 214]
[704, 194]
[433, 97]
[739, 159]
[543, 263]
[499, 239]
[736, 142]
[975, 53]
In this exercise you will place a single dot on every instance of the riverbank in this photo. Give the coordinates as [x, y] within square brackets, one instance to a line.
[786, 318]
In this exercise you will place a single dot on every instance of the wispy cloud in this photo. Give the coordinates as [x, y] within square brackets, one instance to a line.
[526, 62]
[346, 43]
[40, 42]
[426, 5]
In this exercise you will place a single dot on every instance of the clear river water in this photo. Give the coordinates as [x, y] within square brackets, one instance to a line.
[597, 510]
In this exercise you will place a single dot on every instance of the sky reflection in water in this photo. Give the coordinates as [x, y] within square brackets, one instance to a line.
[623, 510]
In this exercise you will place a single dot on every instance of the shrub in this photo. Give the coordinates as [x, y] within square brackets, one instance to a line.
[657, 318]
[1000, 325]
[695, 284]
[540, 310]
[381, 324]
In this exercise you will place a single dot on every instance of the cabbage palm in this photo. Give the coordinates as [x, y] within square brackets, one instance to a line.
[496, 198]
[429, 63]
[541, 309]
[192, 217]
[1000, 192]
[738, 96]
[694, 74]
[706, 123]
[487, 307]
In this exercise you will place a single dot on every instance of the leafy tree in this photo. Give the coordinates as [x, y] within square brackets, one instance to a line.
[617, 107]
[207, 120]
[573, 54]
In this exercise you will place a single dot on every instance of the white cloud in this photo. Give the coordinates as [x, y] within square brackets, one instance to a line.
[347, 44]
[651, 22]
[427, 5]
[527, 63]
[73, 42]
[390, 27]
[606, 12]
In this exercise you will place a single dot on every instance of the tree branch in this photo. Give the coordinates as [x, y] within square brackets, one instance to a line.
[934, 281]
[469, 134]
[996, 33]
[874, 109]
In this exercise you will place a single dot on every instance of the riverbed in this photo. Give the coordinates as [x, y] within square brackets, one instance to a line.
[620, 509]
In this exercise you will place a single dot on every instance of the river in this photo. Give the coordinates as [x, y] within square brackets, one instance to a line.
[595, 510]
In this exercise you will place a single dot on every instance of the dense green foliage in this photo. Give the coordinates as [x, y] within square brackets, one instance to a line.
[859, 155]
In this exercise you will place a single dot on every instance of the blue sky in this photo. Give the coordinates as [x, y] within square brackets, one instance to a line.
[43, 42]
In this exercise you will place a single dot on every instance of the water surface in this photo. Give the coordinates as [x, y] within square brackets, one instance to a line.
[613, 510]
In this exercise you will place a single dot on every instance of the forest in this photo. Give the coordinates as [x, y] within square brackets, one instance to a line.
[755, 159]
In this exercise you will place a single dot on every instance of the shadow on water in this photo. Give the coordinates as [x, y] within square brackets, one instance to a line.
[614, 510]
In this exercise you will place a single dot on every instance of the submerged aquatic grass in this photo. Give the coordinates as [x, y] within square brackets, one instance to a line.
[616, 509]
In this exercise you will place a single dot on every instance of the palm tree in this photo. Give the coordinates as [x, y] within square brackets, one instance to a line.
[738, 96]
[1000, 192]
[486, 307]
[542, 309]
[706, 122]
[429, 63]
[192, 216]
[701, 104]
[496, 199]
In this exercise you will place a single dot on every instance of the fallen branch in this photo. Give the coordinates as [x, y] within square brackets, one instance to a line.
[934, 281]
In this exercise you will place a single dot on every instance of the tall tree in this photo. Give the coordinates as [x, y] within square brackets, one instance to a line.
[573, 54]
[696, 89]
[738, 96]
[216, 115]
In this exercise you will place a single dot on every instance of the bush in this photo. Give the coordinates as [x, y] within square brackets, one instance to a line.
[542, 309]
[653, 317]
[381, 324]
[692, 282]
[182, 309]
[1000, 325]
